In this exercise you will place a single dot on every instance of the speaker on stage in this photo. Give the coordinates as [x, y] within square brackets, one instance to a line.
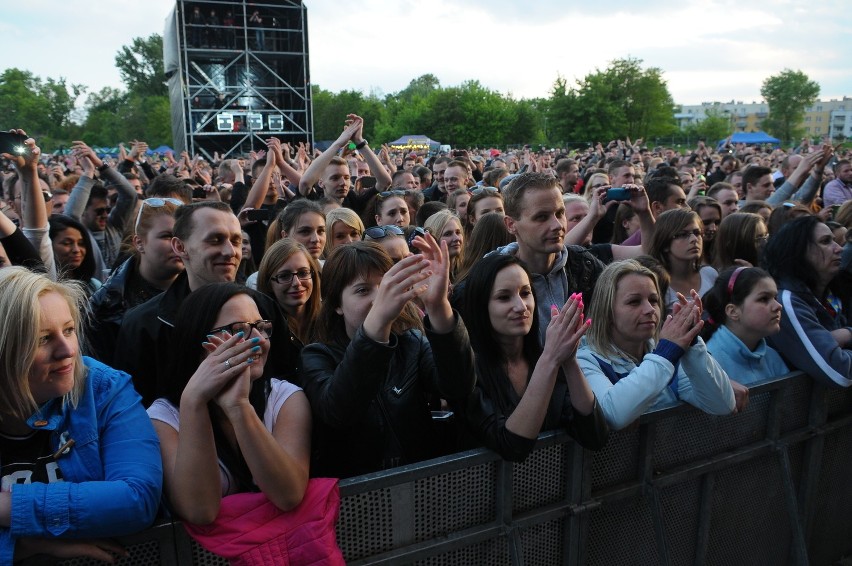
[237, 74]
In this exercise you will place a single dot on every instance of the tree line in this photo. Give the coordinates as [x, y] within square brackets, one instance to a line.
[624, 99]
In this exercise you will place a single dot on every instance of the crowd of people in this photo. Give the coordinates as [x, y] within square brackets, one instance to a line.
[294, 314]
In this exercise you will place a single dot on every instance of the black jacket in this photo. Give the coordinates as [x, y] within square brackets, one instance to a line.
[370, 400]
[109, 305]
[487, 423]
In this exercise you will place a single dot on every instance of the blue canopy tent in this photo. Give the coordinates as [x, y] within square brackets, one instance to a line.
[415, 142]
[162, 150]
[750, 138]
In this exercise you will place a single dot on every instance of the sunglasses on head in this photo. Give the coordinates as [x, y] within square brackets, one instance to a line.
[379, 232]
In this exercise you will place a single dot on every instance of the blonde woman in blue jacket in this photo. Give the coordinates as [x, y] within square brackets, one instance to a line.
[633, 364]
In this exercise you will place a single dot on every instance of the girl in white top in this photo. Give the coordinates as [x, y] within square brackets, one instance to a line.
[224, 427]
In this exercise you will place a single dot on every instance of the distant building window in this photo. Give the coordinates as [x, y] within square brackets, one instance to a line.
[808, 129]
[818, 130]
[807, 118]
[819, 119]
[819, 109]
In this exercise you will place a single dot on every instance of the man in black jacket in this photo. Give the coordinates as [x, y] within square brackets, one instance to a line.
[208, 239]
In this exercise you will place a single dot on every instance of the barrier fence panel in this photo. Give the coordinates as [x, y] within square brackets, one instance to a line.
[767, 486]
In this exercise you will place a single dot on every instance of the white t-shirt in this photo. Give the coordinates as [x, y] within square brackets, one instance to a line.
[708, 277]
[162, 410]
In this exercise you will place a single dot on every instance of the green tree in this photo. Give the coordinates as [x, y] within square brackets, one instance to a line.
[714, 127]
[42, 107]
[787, 94]
[140, 65]
[330, 110]
[622, 100]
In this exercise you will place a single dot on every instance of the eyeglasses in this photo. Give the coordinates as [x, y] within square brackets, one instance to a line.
[379, 232]
[262, 326]
[480, 190]
[761, 239]
[102, 210]
[393, 193]
[687, 233]
[286, 277]
[154, 203]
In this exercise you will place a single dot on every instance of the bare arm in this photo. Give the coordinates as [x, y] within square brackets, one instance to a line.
[314, 171]
[383, 178]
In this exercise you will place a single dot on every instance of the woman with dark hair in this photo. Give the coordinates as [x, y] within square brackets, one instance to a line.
[784, 213]
[739, 241]
[302, 220]
[72, 251]
[372, 369]
[224, 426]
[626, 223]
[522, 388]
[710, 212]
[742, 311]
[678, 244]
[291, 276]
[489, 234]
[482, 201]
[815, 336]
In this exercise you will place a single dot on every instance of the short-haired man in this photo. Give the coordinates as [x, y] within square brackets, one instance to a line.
[757, 183]
[331, 172]
[621, 173]
[438, 190]
[208, 238]
[456, 176]
[664, 193]
[806, 177]
[535, 215]
[839, 190]
[568, 173]
[727, 197]
[727, 165]
[404, 179]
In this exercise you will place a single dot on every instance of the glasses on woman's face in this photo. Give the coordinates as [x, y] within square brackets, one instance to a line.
[762, 239]
[686, 234]
[286, 277]
[480, 190]
[379, 232]
[154, 203]
[262, 326]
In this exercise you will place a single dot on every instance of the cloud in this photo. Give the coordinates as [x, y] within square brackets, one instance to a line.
[708, 50]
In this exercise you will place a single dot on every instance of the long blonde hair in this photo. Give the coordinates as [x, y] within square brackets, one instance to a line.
[20, 311]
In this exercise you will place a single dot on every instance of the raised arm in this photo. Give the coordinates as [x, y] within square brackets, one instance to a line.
[314, 171]
[383, 178]
[120, 215]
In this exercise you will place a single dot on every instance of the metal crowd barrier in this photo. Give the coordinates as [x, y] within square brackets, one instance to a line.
[767, 486]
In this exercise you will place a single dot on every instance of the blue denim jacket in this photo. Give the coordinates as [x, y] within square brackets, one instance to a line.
[113, 473]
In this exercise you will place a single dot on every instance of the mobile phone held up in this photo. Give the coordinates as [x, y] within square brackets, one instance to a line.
[12, 143]
[367, 182]
[617, 194]
[260, 214]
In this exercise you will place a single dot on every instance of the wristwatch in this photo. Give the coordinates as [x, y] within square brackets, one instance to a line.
[361, 145]
[104, 166]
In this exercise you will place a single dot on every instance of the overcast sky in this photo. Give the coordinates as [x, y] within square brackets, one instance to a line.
[712, 50]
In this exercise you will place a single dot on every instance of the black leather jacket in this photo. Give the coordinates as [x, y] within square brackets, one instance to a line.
[109, 304]
[487, 423]
[370, 400]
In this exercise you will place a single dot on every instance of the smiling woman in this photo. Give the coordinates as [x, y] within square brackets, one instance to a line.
[80, 457]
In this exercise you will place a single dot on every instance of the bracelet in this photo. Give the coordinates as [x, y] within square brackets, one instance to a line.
[104, 166]
[361, 145]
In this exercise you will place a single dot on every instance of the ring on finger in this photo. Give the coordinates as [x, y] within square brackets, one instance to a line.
[228, 363]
